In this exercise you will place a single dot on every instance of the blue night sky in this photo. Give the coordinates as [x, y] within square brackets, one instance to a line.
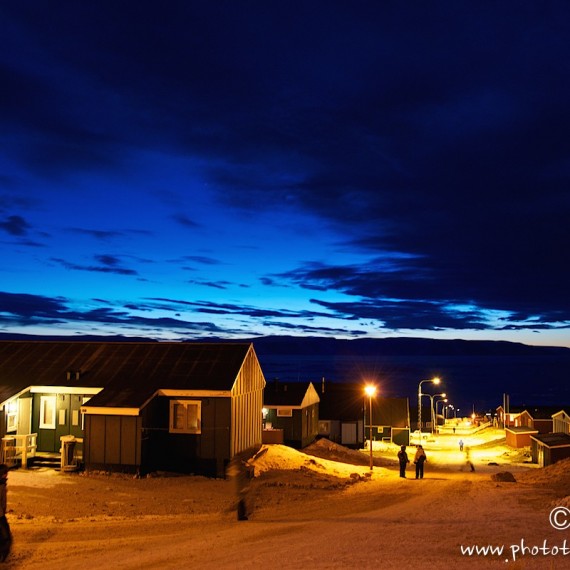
[192, 169]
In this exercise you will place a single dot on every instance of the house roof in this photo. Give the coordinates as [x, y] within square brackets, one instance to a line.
[292, 394]
[129, 372]
[521, 429]
[553, 439]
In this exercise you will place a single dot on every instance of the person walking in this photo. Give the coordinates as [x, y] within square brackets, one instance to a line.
[403, 459]
[5, 533]
[419, 460]
[460, 445]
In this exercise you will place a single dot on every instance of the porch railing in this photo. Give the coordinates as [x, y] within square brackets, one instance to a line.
[18, 448]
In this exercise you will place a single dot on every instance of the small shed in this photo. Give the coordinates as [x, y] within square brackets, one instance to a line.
[293, 409]
[341, 414]
[519, 437]
[391, 419]
[547, 449]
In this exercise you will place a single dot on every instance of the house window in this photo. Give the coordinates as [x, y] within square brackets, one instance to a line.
[185, 416]
[47, 412]
[12, 416]
[285, 412]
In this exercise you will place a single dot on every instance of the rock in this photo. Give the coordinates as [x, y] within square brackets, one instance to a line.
[504, 477]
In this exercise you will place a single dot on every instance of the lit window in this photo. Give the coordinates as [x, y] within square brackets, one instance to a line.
[185, 416]
[47, 412]
[12, 416]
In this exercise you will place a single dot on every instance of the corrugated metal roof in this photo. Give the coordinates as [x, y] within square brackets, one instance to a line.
[129, 372]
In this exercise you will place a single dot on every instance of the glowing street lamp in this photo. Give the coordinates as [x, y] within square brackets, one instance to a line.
[370, 391]
[443, 401]
[433, 416]
[433, 381]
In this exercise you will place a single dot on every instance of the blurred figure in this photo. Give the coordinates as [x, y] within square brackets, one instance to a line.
[468, 459]
[5, 533]
[403, 459]
[241, 472]
[460, 445]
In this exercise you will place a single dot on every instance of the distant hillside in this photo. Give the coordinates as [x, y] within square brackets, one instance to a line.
[474, 373]
[397, 347]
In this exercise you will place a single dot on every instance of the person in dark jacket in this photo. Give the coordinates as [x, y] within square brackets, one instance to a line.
[5, 533]
[403, 459]
[419, 460]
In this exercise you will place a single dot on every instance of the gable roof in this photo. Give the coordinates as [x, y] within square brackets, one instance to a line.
[129, 372]
[290, 394]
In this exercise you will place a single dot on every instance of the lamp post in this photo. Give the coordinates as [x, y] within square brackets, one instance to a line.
[434, 381]
[443, 401]
[433, 415]
[370, 390]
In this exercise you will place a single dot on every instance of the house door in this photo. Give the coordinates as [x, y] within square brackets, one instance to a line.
[58, 415]
[348, 434]
[68, 416]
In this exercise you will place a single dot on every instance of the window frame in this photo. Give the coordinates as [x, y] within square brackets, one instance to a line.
[186, 429]
[46, 401]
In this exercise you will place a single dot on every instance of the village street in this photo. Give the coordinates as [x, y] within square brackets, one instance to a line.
[305, 513]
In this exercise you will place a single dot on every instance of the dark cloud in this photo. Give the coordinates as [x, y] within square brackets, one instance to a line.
[15, 226]
[30, 310]
[213, 284]
[98, 234]
[185, 221]
[24, 308]
[408, 293]
[203, 260]
[108, 264]
[434, 139]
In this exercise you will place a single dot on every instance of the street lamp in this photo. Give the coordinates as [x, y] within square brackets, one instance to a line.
[433, 416]
[370, 390]
[443, 401]
[434, 381]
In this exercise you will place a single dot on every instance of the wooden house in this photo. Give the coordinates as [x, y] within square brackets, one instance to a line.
[561, 422]
[292, 409]
[547, 449]
[530, 416]
[136, 407]
[519, 436]
[344, 416]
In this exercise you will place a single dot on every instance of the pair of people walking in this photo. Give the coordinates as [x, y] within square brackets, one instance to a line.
[419, 459]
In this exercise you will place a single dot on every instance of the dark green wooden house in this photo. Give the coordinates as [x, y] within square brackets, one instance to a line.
[137, 407]
[292, 407]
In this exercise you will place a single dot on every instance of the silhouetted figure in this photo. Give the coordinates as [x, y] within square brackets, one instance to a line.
[460, 445]
[419, 460]
[403, 459]
[5, 533]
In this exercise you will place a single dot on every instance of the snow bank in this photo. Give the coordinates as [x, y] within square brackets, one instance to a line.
[281, 457]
